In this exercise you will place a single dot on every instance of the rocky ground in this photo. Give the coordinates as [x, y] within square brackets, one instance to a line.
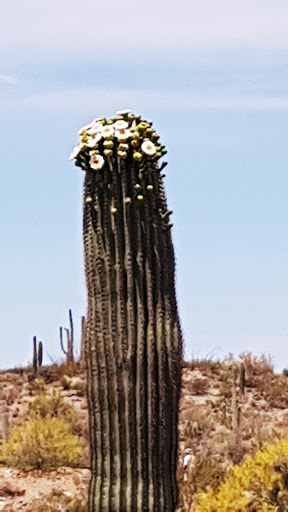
[227, 410]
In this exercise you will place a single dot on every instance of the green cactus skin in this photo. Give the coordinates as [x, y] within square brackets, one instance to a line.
[35, 366]
[37, 356]
[133, 336]
[70, 356]
[70, 340]
[40, 354]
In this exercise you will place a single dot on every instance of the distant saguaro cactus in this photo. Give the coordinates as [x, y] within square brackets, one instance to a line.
[37, 355]
[133, 335]
[70, 340]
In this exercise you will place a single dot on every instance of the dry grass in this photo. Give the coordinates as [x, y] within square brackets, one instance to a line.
[55, 406]
[59, 502]
[205, 364]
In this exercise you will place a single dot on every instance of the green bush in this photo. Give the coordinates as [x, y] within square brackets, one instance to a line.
[44, 444]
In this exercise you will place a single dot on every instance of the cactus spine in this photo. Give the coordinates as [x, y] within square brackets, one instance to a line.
[133, 335]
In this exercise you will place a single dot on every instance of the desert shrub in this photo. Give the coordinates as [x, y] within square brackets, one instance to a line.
[42, 444]
[256, 368]
[205, 365]
[196, 422]
[54, 406]
[73, 383]
[275, 391]
[58, 502]
[254, 485]
[36, 387]
[260, 365]
[198, 386]
[69, 369]
[203, 472]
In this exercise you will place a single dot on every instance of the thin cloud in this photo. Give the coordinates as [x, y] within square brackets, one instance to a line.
[8, 80]
[103, 100]
[105, 28]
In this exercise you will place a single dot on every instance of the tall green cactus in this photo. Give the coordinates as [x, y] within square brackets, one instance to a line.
[70, 340]
[133, 334]
[37, 356]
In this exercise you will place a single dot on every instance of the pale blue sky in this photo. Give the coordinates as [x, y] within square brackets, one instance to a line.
[213, 77]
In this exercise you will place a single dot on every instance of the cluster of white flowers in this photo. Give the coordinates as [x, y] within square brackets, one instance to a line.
[116, 138]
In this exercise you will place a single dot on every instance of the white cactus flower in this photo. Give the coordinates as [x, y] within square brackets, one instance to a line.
[120, 125]
[85, 128]
[148, 148]
[123, 134]
[124, 112]
[93, 139]
[75, 152]
[107, 131]
[95, 128]
[96, 161]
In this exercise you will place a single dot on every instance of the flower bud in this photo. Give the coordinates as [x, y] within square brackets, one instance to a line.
[137, 156]
[108, 153]
[143, 126]
[108, 144]
[123, 147]
[122, 154]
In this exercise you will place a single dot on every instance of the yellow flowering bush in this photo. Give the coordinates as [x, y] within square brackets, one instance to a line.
[42, 444]
[254, 481]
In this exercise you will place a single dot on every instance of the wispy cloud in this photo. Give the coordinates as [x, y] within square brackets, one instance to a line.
[8, 80]
[105, 28]
[80, 100]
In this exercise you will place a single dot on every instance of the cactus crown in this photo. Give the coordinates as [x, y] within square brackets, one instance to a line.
[109, 147]
[103, 141]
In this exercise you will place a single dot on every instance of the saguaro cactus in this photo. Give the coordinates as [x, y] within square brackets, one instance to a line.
[70, 340]
[133, 335]
[83, 352]
[37, 356]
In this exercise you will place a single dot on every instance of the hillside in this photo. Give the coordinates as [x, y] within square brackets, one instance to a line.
[227, 410]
